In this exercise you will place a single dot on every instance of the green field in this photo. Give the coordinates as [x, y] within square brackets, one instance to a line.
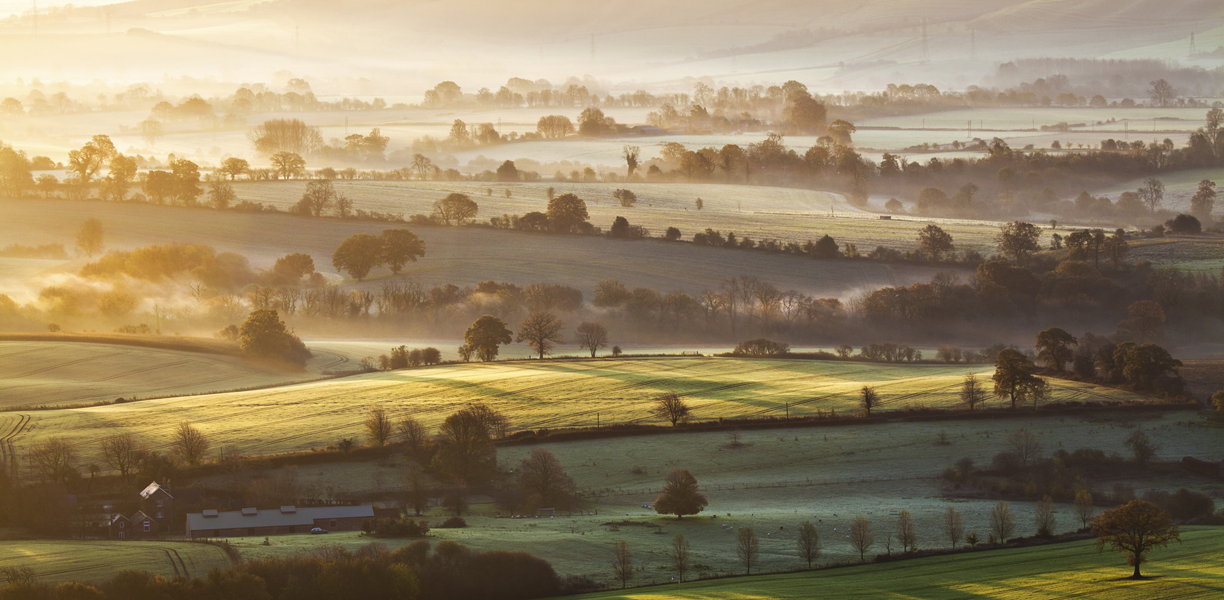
[776, 480]
[97, 561]
[1071, 570]
[531, 394]
[457, 255]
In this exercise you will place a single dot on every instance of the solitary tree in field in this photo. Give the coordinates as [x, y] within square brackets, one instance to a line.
[566, 213]
[358, 255]
[671, 407]
[544, 482]
[868, 399]
[622, 563]
[221, 194]
[1018, 240]
[1025, 445]
[1084, 508]
[1054, 348]
[631, 154]
[1152, 193]
[378, 426]
[400, 247]
[591, 336]
[680, 495]
[1014, 379]
[1162, 92]
[747, 547]
[680, 556]
[455, 208]
[1045, 519]
[861, 538]
[89, 238]
[1135, 529]
[287, 165]
[1002, 522]
[234, 167]
[954, 525]
[1143, 450]
[540, 330]
[934, 242]
[190, 444]
[485, 336]
[972, 393]
[808, 543]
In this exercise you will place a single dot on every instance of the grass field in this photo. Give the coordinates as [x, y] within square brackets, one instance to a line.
[51, 373]
[461, 255]
[1198, 253]
[776, 480]
[759, 212]
[1070, 570]
[97, 561]
[531, 394]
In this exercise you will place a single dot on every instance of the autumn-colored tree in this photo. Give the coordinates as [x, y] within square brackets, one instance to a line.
[680, 495]
[1018, 240]
[457, 208]
[566, 213]
[808, 543]
[1135, 529]
[485, 336]
[358, 255]
[400, 247]
[1014, 379]
[934, 242]
[861, 537]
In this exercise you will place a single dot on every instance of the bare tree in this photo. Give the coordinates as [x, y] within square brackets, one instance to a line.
[680, 556]
[671, 408]
[861, 538]
[544, 481]
[808, 543]
[412, 432]
[869, 399]
[906, 533]
[631, 154]
[747, 547]
[954, 525]
[622, 563]
[190, 444]
[1002, 523]
[1045, 519]
[1084, 508]
[122, 452]
[591, 336]
[540, 330]
[1152, 193]
[972, 393]
[1026, 446]
[378, 426]
[54, 459]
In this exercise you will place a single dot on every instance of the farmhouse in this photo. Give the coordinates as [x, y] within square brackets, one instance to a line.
[253, 522]
[157, 502]
[138, 526]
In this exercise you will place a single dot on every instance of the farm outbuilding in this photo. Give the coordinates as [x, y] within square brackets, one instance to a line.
[252, 522]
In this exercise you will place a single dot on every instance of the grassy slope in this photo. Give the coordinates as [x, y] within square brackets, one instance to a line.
[532, 395]
[1071, 570]
[96, 561]
[55, 372]
[461, 256]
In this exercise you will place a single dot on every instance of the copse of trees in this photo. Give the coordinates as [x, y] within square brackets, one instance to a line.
[265, 336]
[394, 248]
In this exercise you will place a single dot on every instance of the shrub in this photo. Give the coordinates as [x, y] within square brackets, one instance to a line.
[453, 523]
[397, 528]
[761, 347]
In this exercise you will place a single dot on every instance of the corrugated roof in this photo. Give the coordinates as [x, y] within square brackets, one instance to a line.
[276, 518]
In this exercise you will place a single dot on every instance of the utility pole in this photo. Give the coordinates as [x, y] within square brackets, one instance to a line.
[1193, 50]
[970, 129]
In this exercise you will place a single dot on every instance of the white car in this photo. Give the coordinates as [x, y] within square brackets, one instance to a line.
[317, 531]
